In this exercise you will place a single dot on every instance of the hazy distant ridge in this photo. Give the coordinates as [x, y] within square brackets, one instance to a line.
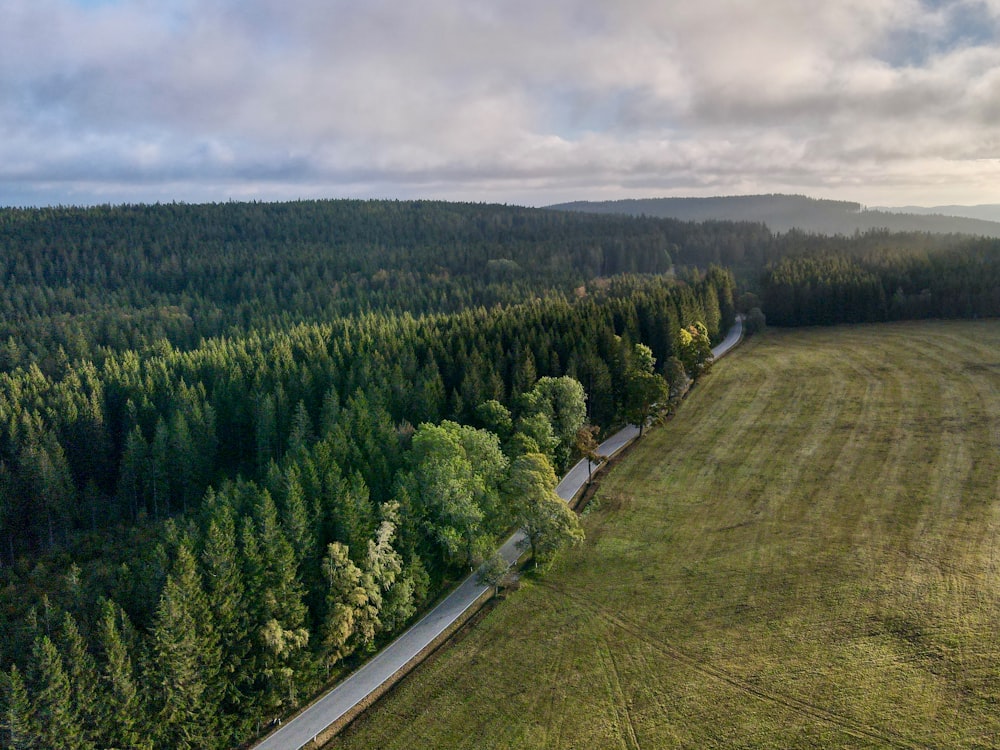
[784, 212]
[984, 212]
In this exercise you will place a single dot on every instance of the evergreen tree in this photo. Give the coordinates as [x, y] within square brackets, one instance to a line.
[81, 670]
[300, 436]
[280, 616]
[119, 702]
[17, 723]
[220, 559]
[134, 463]
[186, 661]
[58, 723]
[159, 471]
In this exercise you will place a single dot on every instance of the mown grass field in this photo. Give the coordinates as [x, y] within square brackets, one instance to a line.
[807, 556]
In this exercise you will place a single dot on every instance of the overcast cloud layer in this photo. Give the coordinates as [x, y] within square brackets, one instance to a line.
[881, 101]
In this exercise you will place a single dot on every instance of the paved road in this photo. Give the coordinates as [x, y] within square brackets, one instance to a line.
[732, 339]
[359, 685]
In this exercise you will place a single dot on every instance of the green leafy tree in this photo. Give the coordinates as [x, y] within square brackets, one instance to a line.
[493, 572]
[586, 446]
[677, 380]
[645, 391]
[345, 596]
[385, 566]
[496, 418]
[534, 434]
[695, 350]
[548, 522]
[454, 482]
[756, 322]
[564, 403]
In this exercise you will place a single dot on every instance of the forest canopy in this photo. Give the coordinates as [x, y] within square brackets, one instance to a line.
[242, 445]
[884, 283]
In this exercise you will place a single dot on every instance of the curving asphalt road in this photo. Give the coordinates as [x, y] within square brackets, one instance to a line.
[314, 720]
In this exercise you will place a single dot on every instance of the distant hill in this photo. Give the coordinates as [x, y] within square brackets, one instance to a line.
[784, 212]
[984, 212]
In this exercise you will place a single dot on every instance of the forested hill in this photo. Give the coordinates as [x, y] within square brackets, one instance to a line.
[79, 284]
[242, 445]
[784, 212]
[115, 278]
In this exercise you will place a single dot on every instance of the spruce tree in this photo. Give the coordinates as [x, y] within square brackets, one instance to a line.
[17, 722]
[58, 723]
[81, 669]
[120, 709]
[186, 660]
[225, 590]
[280, 616]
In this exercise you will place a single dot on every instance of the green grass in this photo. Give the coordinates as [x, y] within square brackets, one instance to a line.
[807, 556]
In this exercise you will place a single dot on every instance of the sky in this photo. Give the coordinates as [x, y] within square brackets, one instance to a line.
[884, 102]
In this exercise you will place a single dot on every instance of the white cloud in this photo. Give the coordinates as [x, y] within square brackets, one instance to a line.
[517, 101]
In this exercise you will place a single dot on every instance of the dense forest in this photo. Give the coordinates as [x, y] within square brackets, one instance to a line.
[113, 278]
[885, 283]
[241, 445]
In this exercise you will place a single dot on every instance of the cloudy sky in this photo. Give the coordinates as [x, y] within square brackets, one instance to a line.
[523, 101]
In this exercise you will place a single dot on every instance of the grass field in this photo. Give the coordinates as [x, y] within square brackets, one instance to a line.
[807, 556]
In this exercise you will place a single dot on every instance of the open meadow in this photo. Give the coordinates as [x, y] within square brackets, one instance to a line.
[808, 555]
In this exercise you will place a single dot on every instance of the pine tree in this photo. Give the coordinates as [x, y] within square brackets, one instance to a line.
[266, 431]
[294, 518]
[134, 463]
[44, 466]
[300, 435]
[186, 660]
[58, 722]
[81, 669]
[159, 470]
[280, 613]
[119, 701]
[183, 461]
[17, 723]
[225, 590]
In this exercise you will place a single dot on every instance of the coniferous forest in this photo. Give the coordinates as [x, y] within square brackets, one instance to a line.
[890, 282]
[241, 445]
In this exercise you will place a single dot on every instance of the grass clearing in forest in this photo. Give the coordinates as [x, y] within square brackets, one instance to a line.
[808, 555]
